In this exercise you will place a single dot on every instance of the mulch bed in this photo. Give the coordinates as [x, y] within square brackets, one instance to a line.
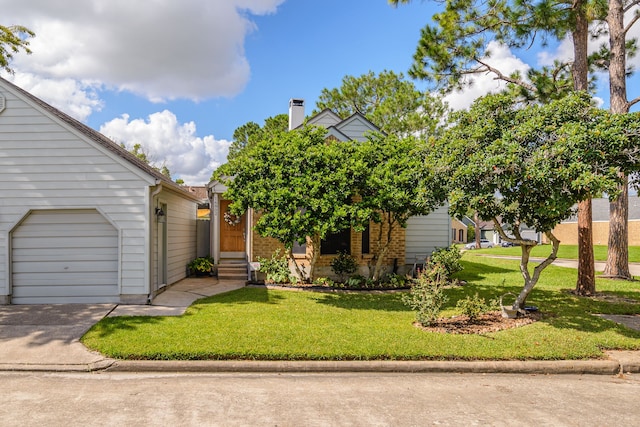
[485, 323]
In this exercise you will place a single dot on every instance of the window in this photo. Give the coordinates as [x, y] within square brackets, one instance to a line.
[366, 235]
[299, 249]
[336, 242]
[460, 235]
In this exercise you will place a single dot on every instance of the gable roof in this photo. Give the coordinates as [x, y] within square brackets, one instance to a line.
[90, 134]
[354, 127]
[326, 118]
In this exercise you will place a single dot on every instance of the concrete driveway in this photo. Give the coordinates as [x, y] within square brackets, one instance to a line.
[47, 337]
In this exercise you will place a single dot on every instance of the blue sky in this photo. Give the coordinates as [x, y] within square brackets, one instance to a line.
[180, 77]
[297, 51]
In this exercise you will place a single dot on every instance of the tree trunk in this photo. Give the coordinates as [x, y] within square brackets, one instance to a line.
[529, 280]
[618, 245]
[384, 241]
[586, 284]
[476, 220]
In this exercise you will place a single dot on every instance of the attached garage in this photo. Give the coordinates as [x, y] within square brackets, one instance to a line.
[64, 256]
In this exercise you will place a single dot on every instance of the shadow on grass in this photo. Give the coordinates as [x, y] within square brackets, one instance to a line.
[385, 301]
[110, 325]
[245, 295]
[561, 309]
[475, 271]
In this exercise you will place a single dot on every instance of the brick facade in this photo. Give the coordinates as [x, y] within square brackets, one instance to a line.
[264, 247]
[567, 233]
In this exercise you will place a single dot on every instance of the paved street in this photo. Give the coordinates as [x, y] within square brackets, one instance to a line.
[109, 399]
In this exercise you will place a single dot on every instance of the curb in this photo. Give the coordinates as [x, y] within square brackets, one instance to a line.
[596, 367]
[100, 365]
[545, 367]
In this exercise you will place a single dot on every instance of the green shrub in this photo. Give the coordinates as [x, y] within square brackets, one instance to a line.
[201, 265]
[449, 258]
[427, 296]
[473, 307]
[356, 282]
[323, 281]
[343, 264]
[276, 268]
[394, 281]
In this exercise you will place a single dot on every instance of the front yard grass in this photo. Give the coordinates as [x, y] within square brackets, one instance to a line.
[256, 323]
[564, 251]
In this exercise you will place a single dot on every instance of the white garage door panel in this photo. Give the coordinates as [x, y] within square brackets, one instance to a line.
[65, 257]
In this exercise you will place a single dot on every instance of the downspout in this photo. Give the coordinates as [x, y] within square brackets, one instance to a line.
[152, 196]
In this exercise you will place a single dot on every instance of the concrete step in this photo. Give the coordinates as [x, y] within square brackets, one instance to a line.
[232, 269]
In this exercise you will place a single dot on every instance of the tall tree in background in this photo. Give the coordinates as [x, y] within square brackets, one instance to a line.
[139, 151]
[622, 15]
[251, 132]
[13, 39]
[456, 47]
[386, 100]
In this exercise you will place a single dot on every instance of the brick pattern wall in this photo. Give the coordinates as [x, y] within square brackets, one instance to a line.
[264, 247]
[567, 233]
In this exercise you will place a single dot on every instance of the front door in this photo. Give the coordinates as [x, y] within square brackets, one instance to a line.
[232, 230]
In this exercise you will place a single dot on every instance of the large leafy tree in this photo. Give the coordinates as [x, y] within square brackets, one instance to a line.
[529, 164]
[387, 100]
[251, 132]
[396, 185]
[456, 47]
[300, 186]
[13, 39]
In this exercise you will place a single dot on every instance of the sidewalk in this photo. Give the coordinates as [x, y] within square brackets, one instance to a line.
[46, 338]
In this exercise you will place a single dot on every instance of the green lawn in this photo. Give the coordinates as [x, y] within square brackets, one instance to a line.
[564, 251]
[255, 323]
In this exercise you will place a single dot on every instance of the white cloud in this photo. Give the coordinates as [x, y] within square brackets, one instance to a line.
[76, 98]
[168, 142]
[502, 59]
[162, 49]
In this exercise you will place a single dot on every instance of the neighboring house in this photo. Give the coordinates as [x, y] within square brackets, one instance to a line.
[81, 219]
[488, 231]
[460, 229]
[234, 240]
[567, 231]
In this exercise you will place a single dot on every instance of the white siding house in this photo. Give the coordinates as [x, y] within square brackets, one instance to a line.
[81, 219]
[426, 233]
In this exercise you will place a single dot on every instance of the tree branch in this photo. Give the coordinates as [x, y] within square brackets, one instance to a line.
[634, 101]
[631, 23]
[507, 79]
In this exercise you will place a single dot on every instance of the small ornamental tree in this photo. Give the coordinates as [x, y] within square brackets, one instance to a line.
[530, 164]
[298, 184]
[397, 185]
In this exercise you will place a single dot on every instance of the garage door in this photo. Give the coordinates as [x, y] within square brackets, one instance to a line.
[64, 256]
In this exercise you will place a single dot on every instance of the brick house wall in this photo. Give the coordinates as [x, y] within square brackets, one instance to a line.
[264, 247]
[567, 233]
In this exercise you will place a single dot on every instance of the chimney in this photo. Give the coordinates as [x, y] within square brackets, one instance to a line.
[296, 113]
